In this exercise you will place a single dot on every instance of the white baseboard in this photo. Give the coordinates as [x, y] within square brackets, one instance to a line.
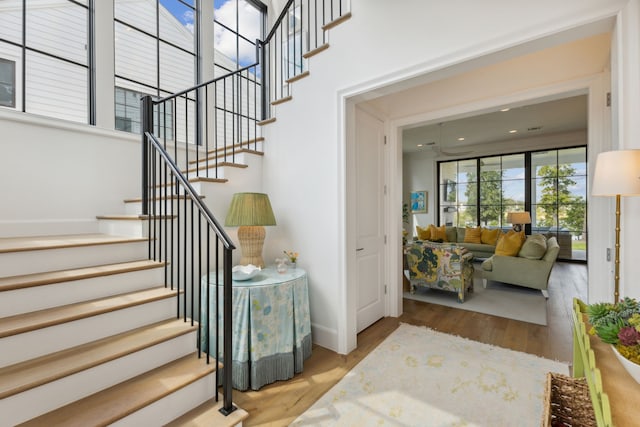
[325, 337]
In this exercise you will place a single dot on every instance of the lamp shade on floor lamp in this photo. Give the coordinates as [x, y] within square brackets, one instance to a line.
[617, 174]
[251, 212]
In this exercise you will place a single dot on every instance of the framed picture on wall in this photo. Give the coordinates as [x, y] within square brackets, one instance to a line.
[418, 202]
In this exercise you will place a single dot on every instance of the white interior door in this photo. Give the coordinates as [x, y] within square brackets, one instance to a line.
[370, 245]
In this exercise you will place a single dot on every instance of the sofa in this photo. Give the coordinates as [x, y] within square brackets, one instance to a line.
[522, 270]
[440, 266]
[479, 250]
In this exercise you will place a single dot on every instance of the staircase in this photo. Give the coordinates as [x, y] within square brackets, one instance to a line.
[88, 328]
[89, 336]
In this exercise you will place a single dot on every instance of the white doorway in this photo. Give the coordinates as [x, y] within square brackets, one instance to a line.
[369, 207]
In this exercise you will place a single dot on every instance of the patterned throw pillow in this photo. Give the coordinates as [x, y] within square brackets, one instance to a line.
[509, 244]
[473, 235]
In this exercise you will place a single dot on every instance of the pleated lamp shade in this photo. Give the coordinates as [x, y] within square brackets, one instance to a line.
[250, 212]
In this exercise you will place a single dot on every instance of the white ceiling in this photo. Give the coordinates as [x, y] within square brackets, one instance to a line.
[562, 115]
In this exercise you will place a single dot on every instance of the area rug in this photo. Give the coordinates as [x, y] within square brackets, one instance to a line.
[420, 377]
[498, 299]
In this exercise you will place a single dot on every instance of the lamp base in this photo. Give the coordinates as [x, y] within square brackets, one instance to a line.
[517, 228]
[251, 239]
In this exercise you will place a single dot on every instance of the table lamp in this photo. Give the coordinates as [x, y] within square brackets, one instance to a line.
[518, 219]
[250, 212]
[617, 174]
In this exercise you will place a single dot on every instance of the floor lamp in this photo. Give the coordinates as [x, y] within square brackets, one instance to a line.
[617, 174]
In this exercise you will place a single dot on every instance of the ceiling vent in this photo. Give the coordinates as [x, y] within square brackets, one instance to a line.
[534, 128]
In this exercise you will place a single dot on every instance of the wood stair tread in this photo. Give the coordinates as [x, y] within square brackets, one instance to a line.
[160, 198]
[207, 179]
[282, 100]
[238, 146]
[339, 20]
[33, 373]
[219, 165]
[110, 405]
[38, 279]
[134, 217]
[266, 121]
[31, 243]
[27, 322]
[208, 414]
[298, 77]
[225, 154]
[315, 51]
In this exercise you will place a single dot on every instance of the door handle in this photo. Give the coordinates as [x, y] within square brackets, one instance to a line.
[359, 249]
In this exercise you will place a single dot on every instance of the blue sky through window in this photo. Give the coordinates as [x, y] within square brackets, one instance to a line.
[226, 42]
[182, 10]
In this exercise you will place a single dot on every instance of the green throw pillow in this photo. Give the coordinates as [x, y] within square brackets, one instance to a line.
[534, 247]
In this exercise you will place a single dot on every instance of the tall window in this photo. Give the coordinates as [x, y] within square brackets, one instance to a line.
[154, 52]
[559, 191]
[7, 83]
[550, 184]
[502, 188]
[237, 26]
[50, 46]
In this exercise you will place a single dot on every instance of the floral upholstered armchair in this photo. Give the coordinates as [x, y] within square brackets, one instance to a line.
[440, 266]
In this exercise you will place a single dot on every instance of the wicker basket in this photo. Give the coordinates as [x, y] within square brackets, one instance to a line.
[567, 402]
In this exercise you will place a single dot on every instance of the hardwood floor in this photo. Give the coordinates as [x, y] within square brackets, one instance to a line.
[280, 403]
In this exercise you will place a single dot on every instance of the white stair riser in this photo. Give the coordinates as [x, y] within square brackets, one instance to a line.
[40, 261]
[130, 228]
[135, 208]
[52, 295]
[28, 345]
[40, 400]
[173, 405]
[224, 172]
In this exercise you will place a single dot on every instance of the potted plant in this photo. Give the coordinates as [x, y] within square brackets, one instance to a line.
[619, 325]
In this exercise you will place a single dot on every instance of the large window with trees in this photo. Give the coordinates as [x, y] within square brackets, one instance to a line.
[549, 184]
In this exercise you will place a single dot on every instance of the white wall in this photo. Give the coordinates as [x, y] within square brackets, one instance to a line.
[59, 175]
[420, 37]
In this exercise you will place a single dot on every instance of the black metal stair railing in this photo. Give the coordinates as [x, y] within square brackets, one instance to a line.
[183, 232]
[298, 33]
[189, 135]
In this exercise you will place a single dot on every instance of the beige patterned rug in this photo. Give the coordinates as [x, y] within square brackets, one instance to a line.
[498, 299]
[420, 377]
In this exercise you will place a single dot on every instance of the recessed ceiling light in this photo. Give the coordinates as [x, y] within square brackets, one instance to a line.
[504, 110]
[461, 138]
[420, 145]
[513, 131]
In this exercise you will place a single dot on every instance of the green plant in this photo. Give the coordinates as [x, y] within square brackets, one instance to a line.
[618, 324]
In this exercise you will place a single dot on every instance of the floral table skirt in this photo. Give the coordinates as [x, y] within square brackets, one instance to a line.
[271, 326]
